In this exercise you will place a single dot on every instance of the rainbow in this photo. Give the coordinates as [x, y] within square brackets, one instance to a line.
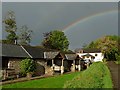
[83, 19]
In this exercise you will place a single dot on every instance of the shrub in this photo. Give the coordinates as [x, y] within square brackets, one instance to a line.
[27, 65]
[104, 60]
[117, 58]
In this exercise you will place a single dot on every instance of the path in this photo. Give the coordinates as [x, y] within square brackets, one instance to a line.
[114, 69]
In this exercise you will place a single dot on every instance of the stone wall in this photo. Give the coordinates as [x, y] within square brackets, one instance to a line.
[49, 70]
[1, 73]
[15, 64]
[40, 67]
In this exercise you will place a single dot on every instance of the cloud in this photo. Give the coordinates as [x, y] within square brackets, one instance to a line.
[0, 20]
[91, 29]
[43, 17]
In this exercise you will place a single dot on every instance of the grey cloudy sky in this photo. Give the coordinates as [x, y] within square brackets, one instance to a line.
[60, 0]
[82, 21]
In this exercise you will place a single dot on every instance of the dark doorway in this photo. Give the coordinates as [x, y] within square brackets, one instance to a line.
[5, 62]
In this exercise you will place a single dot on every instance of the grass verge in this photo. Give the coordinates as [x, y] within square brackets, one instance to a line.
[96, 76]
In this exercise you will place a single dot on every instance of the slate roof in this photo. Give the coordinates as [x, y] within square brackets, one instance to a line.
[89, 50]
[70, 56]
[35, 52]
[9, 50]
[66, 55]
[88, 55]
[51, 55]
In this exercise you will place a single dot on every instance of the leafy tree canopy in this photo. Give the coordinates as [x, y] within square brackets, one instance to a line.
[10, 26]
[108, 45]
[56, 40]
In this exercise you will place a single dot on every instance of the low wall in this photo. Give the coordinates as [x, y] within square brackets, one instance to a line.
[40, 67]
[15, 64]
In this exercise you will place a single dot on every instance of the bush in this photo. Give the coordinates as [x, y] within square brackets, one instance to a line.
[90, 78]
[27, 65]
[104, 60]
[117, 56]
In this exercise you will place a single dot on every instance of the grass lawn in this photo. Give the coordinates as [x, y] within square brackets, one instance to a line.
[50, 82]
[107, 79]
[0, 87]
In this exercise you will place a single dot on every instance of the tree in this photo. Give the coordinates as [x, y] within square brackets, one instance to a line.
[91, 45]
[108, 45]
[84, 45]
[10, 26]
[25, 35]
[4, 41]
[56, 40]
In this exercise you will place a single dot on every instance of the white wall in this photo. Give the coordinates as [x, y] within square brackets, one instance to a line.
[99, 56]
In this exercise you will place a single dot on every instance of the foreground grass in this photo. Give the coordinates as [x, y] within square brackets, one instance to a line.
[51, 82]
[0, 86]
[107, 79]
[96, 76]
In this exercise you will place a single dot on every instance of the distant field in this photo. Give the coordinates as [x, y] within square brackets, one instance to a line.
[50, 82]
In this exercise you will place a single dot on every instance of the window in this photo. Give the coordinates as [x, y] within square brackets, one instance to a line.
[87, 56]
[81, 51]
[5, 62]
[49, 63]
[92, 57]
[83, 57]
[95, 54]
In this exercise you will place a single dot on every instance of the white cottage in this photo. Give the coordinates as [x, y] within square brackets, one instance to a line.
[92, 54]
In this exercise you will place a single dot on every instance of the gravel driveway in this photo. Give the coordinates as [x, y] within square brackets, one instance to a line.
[115, 70]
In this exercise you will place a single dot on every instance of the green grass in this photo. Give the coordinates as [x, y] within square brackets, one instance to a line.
[107, 79]
[0, 87]
[96, 76]
[50, 82]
